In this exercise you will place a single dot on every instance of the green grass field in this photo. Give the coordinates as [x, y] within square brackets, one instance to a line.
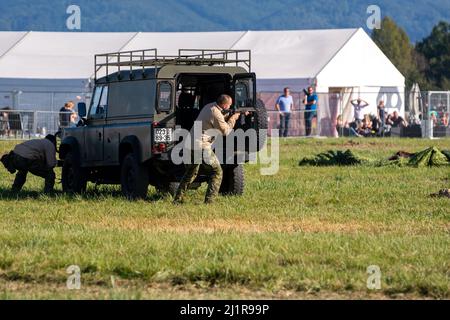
[307, 232]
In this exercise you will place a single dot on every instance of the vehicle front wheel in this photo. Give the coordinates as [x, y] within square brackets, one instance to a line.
[233, 181]
[73, 177]
[134, 178]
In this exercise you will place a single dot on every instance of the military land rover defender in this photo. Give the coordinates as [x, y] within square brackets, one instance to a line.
[125, 136]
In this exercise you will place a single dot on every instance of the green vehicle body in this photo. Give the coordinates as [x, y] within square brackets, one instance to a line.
[138, 94]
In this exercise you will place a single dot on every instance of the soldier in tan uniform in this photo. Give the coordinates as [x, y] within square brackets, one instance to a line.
[211, 117]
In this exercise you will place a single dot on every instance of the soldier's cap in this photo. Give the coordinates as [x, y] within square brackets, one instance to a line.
[52, 139]
[7, 163]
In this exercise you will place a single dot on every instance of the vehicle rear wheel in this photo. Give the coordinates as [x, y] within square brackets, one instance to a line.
[134, 178]
[73, 177]
[233, 181]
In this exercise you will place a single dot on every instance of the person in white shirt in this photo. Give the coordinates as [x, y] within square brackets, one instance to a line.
[284, 106]
[358, 106]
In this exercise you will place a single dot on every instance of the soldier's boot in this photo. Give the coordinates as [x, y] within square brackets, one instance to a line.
[49, 182]
[186, 181]
[19, 181]
[214, 182]
[179, 197]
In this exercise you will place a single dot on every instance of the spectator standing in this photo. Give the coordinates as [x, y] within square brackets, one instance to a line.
[4, 121]
[284, 106]
[445, 120]
[65, 114]
[433, 117]
[358, 106]
[310, 102]
[381, 117]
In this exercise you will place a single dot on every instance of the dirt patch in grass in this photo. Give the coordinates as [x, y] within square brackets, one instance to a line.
[125, 289]
[247, 226]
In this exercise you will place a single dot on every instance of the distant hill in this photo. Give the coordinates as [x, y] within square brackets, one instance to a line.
[416, 17]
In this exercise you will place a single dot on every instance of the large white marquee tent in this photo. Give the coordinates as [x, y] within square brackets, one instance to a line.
[40, 70]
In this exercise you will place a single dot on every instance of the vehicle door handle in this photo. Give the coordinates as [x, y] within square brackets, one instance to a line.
[99, 136]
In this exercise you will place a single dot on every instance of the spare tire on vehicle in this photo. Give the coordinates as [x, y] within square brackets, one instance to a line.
[262, 123]
[255, 124]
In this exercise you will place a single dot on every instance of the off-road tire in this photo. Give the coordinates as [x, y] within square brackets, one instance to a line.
[134, 178]
[233, 182]
[261, 123]
[73, 177]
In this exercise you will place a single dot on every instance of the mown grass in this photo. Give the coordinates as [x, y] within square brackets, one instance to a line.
[305, 232]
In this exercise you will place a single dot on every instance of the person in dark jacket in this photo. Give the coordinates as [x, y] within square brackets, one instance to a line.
[35, 156]
[65, 114]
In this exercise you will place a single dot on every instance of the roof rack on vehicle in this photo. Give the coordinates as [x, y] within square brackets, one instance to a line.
[127, 60]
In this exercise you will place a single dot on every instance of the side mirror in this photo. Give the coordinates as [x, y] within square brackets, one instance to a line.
[81, 109]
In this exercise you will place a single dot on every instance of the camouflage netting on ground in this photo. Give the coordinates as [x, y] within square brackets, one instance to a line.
[427, 158]
[447, 153]
[431, 157]
[334, 158]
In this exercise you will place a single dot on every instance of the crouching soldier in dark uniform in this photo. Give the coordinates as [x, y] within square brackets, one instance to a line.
[211, 117]
[35, 156]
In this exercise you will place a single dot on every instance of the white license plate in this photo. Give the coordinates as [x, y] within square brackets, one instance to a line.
[163, 134]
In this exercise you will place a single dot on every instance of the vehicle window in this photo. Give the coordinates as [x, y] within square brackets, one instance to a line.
[241, 92]
[165, 96]
[132, 98]
[103, 105]
[95, 100]
[99, 102]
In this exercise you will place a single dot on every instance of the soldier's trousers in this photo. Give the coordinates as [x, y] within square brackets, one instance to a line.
[36, 167]
[212, 166]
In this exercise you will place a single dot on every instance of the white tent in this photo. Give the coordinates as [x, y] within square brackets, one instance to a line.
[291, 56]
[8, 40]
[341, 64]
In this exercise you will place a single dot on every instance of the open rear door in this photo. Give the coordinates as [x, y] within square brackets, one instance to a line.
[244, 90]
[245, 102]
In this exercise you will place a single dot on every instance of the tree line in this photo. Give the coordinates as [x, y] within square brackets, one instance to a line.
[426, 62]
